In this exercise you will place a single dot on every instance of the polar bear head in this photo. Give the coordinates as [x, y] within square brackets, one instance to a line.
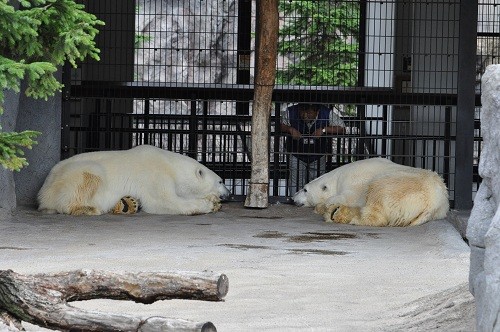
[213, 181]
[316, 192]
[203, 183]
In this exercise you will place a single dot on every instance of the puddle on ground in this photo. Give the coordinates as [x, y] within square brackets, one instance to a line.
[291, 251]
[262, 217]
[271, 235]
[243, 246]
[318, 252]
[14, 248]
[307, 237]
[319, 237]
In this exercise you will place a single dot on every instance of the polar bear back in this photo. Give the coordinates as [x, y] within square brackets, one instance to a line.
[350, 177]
[156, 177]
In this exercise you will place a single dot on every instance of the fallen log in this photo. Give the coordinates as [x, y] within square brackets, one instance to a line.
[42, 299]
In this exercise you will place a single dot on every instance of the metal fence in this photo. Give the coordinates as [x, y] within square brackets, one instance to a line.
[179, 74]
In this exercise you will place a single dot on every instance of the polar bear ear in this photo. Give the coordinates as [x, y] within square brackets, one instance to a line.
[200, 174]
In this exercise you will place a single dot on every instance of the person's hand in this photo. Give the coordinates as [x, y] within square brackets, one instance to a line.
[318, 132]
[295, 133]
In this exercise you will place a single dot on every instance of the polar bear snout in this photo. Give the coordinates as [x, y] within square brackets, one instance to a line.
[224, 197]
[299, 199]
[224, 192]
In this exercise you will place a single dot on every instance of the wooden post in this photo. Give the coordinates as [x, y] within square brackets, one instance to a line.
[42, 299]
[267, 47]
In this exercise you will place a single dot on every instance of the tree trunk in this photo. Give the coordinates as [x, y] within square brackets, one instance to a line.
[42, 299]
[267, 47]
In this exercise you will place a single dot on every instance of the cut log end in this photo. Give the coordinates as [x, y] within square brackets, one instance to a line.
[208, 327]
[222, 286]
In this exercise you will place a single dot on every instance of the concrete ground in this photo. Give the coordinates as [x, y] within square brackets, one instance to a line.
[287, 269]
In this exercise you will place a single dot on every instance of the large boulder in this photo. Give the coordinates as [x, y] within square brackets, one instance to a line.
[483, 230]
[7, 186]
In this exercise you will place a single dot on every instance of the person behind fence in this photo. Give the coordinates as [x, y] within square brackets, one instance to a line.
[310, 128]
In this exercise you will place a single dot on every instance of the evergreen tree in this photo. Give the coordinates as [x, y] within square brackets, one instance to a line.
[34, 41]
[320, 39]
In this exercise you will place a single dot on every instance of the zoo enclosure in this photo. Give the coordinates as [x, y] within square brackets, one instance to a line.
[179, 74]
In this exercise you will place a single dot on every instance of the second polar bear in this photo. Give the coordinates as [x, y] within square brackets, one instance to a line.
[163, 181]
[377, 192]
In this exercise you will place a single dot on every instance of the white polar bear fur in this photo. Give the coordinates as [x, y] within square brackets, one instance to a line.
[377, 192]
[163, 181]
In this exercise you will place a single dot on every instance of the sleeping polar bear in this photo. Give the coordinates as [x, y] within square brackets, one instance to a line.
[163, 181]
[377, 192]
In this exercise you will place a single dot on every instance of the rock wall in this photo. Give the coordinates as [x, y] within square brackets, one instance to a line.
[483, 230]
[188, 41]
[7, 185]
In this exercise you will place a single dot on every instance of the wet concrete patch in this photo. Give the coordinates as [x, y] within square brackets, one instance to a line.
[321, 236]
[307, 237]
[271, 235]
[318, 252]
[263, 217]
[290, 251]
[243, 246]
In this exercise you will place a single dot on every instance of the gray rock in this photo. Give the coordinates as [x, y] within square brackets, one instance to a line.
[7, 186]
[483, 230]
[199, 47]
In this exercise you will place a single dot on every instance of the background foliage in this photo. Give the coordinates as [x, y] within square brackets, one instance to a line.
[34, 40]
[320, 39]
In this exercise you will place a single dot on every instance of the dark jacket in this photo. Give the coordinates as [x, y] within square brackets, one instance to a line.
[308, 148]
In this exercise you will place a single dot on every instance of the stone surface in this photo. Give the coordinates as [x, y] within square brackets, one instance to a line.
[24, 113]
[199, 48]
[7, 185]
[483, 230]
[288, 270]
[43, 116]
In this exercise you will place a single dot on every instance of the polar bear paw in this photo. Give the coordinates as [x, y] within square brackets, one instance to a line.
[340, 214]
[216, 204]
[320, 208]
[126, 205]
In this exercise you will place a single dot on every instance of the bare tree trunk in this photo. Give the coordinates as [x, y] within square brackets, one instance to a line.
[42, 299]
[267, 47]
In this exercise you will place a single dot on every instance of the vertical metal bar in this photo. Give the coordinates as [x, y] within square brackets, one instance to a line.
[205, 131]
[362, 42]
[385, 120]
[146, 121]
[466, 104]
[66, 112]
[108, 118]
[193, 129]
[275, 172]
[447, 139]
[243, 49]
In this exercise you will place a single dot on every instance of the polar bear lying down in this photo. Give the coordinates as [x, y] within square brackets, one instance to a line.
[377, 192]
[163, 182]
